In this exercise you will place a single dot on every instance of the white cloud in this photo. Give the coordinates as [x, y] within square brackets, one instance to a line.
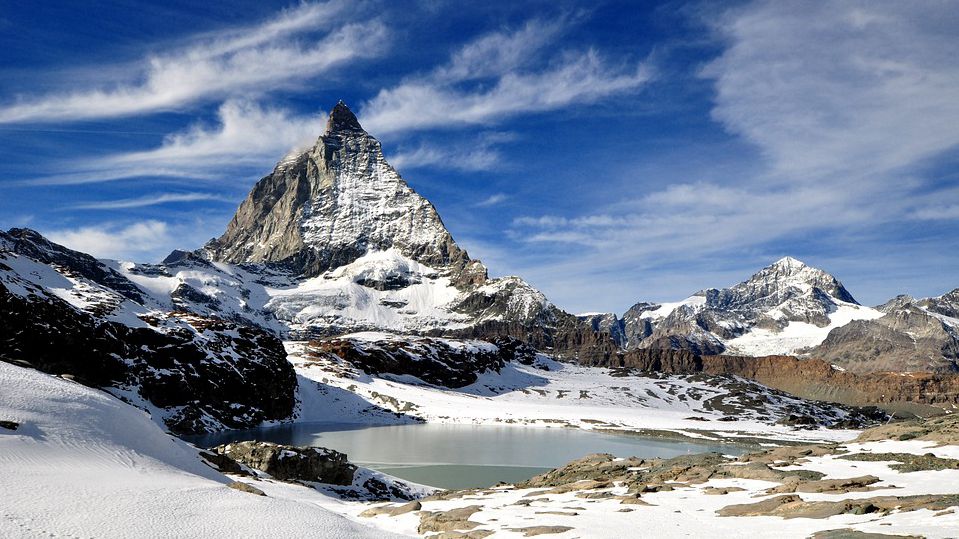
[468, 159]
[232, 63]
[109, 241]
[492, 200]
[148, 200]
[504, 78]
[848, 103]
[247, 135]
[825, 88]
[496, 53]
[140, 240]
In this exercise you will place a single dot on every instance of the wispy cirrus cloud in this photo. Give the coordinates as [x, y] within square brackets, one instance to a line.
[492, 200]
[277, 53]
[848, 104]
[468, 159]
[147, 200]
[246, 135]
[823, 88]
[499, 75]
[480, 153]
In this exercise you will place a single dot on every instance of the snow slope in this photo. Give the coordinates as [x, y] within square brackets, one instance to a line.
[84, 464]
[797, 336]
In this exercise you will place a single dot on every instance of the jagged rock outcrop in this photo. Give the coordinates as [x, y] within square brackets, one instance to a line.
[324, 469]
[32, 244]
[203, 373]
[443, 362]
[605, 323]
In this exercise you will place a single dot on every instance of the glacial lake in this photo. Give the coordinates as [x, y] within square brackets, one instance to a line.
[463, 456]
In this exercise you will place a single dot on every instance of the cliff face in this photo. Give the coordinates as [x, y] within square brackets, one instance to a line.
[67, 314]
[808, 378]
[816, 379]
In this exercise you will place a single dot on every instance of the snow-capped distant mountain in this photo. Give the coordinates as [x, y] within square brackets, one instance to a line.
[782, 309]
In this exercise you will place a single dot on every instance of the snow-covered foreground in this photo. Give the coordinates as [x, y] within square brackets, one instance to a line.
[81, 463]
[552, 394]
[84, 464]
[691, 511]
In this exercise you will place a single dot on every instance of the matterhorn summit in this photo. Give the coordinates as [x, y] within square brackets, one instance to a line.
[333, 203]
[336, 242]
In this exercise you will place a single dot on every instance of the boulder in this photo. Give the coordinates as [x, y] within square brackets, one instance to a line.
[291, 463]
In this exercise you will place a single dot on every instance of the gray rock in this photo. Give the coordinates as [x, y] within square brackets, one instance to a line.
[289, 463]
[245, 487]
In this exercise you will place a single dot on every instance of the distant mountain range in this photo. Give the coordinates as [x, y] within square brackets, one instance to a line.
[789, 308]
[333, 241]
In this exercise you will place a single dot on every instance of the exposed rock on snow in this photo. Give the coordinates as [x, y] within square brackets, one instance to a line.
[288, 463]
[443, 362]
[910, 393]
[198, 373]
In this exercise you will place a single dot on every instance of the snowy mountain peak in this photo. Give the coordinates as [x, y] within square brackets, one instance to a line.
[332, 204]
[789, 277]
[790, 263]
[779, 309]
[342, 119]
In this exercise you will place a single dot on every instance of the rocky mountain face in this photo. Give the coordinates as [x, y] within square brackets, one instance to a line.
[793, 309]
[912, 335]
[759, 315]
[329, 205]
[65, 313]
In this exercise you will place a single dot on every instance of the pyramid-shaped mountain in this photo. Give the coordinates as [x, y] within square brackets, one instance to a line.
[329, 205]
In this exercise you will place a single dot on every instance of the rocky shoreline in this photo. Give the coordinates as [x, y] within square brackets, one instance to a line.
[795, 484]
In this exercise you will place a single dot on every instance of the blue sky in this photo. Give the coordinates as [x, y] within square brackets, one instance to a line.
[608, 153]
